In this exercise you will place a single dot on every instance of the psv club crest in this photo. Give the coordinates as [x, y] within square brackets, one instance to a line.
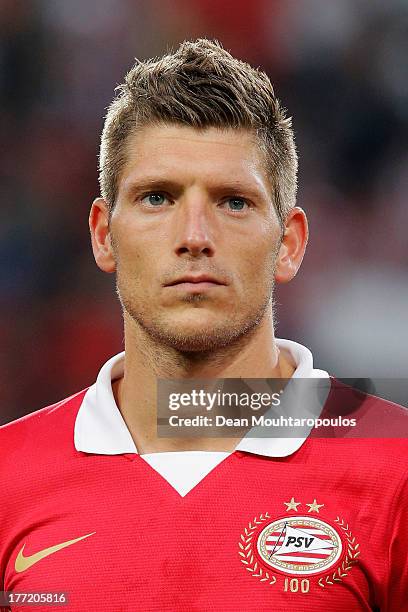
[298, 550]
[299, 545]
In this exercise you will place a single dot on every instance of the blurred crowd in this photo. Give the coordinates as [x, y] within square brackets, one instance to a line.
[341, 70]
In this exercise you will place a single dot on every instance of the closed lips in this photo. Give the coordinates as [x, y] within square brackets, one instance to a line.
[195, 279]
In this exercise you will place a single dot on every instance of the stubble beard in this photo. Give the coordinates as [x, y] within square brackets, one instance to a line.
[232, 331]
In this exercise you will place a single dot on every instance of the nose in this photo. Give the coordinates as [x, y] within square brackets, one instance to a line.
[195, 229]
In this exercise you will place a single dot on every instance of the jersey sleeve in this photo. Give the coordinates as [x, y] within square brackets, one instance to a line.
[397, 592]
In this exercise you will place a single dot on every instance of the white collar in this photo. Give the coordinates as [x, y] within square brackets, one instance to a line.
[101, 429]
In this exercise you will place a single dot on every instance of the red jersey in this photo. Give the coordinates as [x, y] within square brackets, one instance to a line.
[324, 528]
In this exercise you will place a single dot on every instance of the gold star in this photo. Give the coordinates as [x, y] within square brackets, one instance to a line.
[314, 507]
[292, 505]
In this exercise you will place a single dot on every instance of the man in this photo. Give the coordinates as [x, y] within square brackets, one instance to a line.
[197, 218]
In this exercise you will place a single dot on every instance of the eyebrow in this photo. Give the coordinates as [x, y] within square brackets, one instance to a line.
[136, 187]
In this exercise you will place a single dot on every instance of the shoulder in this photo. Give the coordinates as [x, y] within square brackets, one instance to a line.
[42, 430]
[374, 415]
[366, 425]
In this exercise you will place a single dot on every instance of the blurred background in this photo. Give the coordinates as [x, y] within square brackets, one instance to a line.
[340, 67]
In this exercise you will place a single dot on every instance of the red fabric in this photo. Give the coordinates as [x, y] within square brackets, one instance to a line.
[154, 550]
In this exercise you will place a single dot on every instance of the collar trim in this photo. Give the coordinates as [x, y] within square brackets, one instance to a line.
[101, 429]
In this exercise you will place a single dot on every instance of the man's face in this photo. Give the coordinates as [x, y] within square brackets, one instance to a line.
[195, 236]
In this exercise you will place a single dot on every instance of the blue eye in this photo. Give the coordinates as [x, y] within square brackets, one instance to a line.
[236, 204]
[154, 199]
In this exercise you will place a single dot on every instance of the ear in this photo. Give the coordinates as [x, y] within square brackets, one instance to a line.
[100, 235]
[293, 246]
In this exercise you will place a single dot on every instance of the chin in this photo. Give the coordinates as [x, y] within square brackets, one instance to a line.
[195, 337]
[196, 343]
[199, 336]
[198, 330]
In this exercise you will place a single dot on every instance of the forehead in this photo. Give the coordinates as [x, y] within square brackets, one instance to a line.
[210, 154]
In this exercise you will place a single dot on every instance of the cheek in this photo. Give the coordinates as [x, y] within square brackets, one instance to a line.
[130, 250]
[129, 271]
[137, 242]
[261, 256]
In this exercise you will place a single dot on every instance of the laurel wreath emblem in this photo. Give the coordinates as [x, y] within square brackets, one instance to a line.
[353, 551]
[247, 553]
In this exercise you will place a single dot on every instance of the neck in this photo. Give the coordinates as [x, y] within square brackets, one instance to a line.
[253, 356]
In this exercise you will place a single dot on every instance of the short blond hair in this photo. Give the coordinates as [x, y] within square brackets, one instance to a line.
[200, 85]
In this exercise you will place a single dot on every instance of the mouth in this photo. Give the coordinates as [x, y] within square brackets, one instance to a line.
[196, 283]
